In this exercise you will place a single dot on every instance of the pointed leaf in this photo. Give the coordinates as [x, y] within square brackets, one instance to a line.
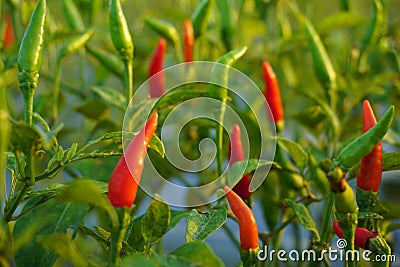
[304, 216]
[155, 222]
[295, 151]
[200, 225]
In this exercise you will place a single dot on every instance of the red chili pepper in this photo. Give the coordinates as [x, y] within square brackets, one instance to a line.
[236, 154]
[8, 38]
[157, 84]
[123, 183]
[188, 37]
[247, 222]
[362, 235]
[370, 174]
[273, 96]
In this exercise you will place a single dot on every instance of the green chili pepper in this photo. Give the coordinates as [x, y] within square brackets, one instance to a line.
[201, 16]
[119, 31]
[169, 32]
[364, 144]
[374, 27]
[220, 73]
[30, 57]
[345, 201]
[72, 16]
[111, 62]
[226, 23]
[322, 64]
[73, 44]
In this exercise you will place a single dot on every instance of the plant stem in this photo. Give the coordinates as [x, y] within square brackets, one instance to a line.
[8, 211]
[220, 135]
[117, 235]
[128, 81]
[28, 106]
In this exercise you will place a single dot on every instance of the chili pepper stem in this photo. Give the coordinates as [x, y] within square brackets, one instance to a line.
[128, 73]
[117, 235]
[348, 222]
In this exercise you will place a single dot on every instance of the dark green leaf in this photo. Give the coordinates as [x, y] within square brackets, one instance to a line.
[111, 95]
[198, 253]
[295, 151]
[200, 225]
[155, 222]
[63, 245]
[176, 217]
[54, 218]
[94, 109]
[304, 216]
[240, 168]
[84, 191]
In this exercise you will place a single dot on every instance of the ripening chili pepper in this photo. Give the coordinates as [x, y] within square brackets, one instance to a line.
[370, 174]
[30, 57]
[188, 39]
[8, 37]
[242, 187]
[119, 31]
[201, 16]
[157, 83]
[273, 96]
[247, 222]
[364, 144]
[124, 181]
[72, 16]
[362, 235]
[345, 201]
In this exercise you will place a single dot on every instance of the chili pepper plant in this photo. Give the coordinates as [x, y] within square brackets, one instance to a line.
[71, 176]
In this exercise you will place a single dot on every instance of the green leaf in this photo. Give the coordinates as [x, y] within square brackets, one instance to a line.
[200, 225]
[84, 191]
[240, 168]
[157, 145]
[63, 245]
[295, 151]
[48, 218]
[135, 239]
[155, 222]
[24, 138]
[136, 115]
[391, 227]
[138, 260]
[369, 215]
[111, 95]
[176, 217]
[304, 216]
[198, 253]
